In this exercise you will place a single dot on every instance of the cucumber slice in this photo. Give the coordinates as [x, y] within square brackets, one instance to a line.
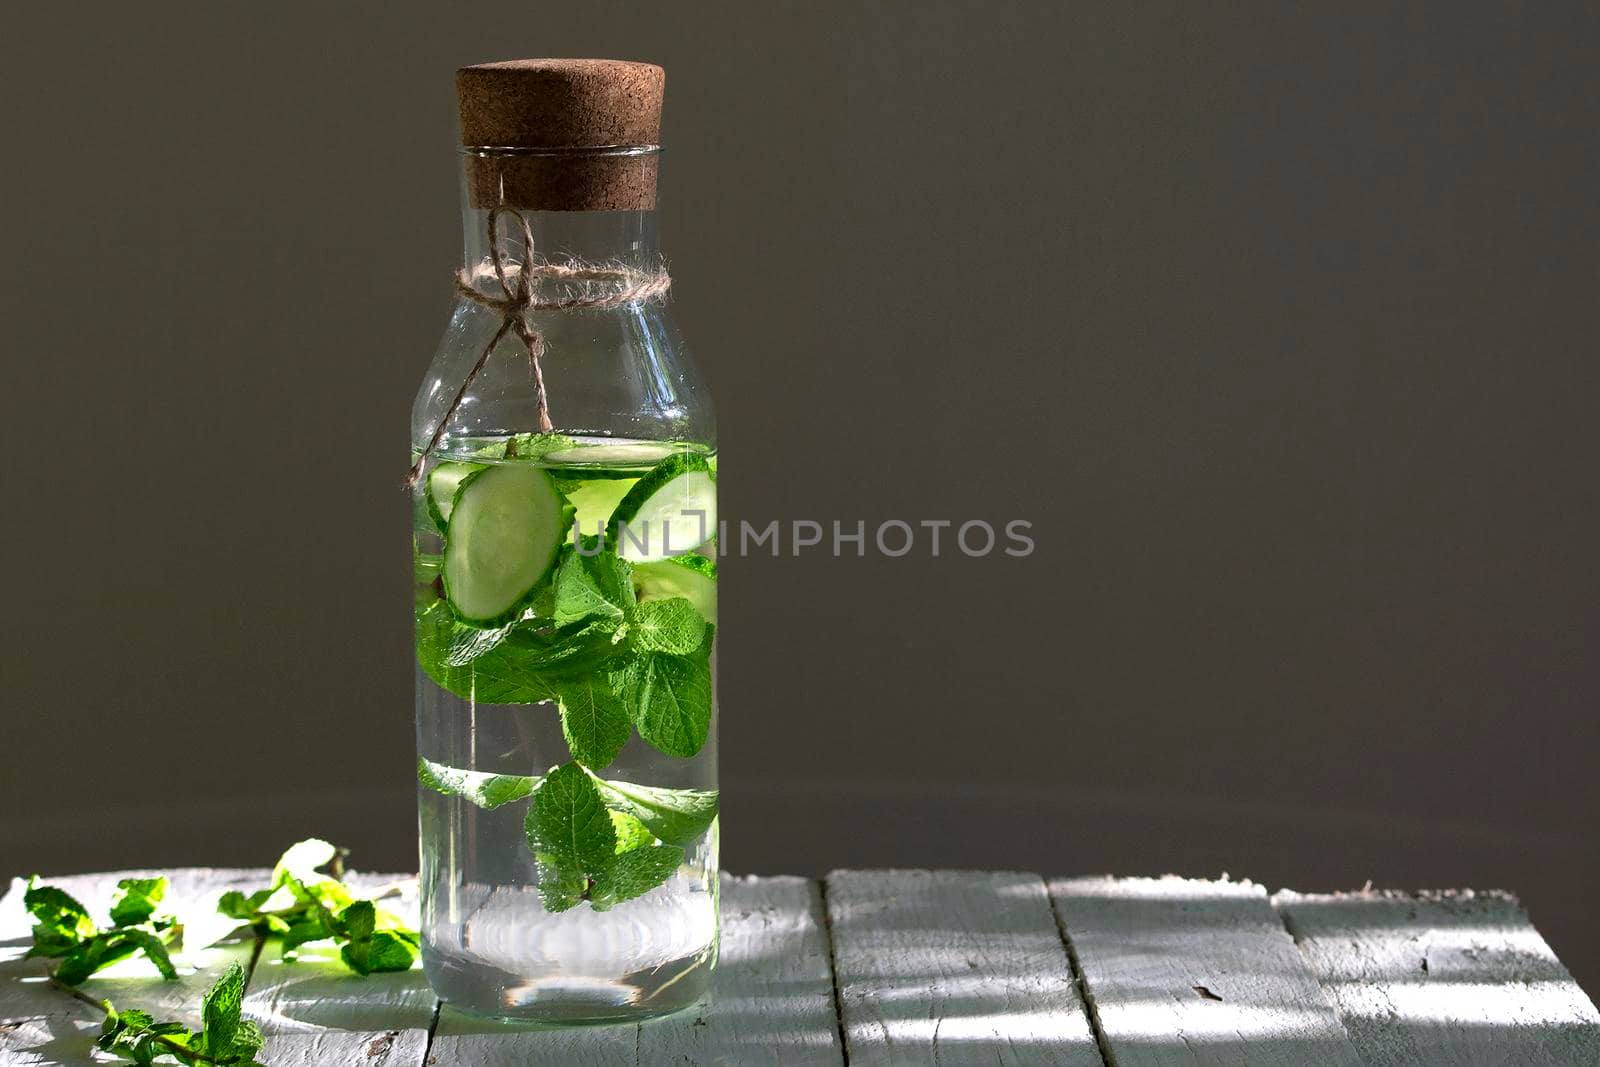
[672, 510]
[692, 577]
[442, 485]
[611, 452]
[594, 499]
[505, 532]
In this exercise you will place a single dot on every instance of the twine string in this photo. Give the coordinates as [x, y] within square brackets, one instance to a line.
[519, 294]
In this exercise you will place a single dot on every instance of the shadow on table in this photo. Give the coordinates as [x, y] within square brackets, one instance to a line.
[50, 1040]
[317, 992]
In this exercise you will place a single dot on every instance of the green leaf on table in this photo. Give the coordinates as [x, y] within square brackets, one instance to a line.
[63, 929]
[634, 873]
[136, 1035]
[136, 899]
[93, 955]
[487, 791]
[671, 625]
[224, 1038]
[567, 825]
[302, 860]
[155, 950]
[303, 930]
[369, 949]
[237, 905]
[60, 923]
[669, 698]
[676, 816]
[594, 722]
[308, 900]
[220, 1012]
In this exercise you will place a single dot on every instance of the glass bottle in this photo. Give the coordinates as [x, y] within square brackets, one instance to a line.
[564, 521]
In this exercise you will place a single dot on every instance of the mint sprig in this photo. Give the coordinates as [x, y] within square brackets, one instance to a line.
[225, 1037]
[307, 900]
[574, 837]
[64, 930]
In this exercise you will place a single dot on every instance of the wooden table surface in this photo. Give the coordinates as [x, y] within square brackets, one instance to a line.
[936, 967]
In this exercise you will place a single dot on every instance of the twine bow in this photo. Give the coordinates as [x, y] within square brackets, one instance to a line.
[519, 294]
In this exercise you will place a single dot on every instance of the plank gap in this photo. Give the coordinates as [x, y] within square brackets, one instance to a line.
[1091, 1007]
[833, 971]
[433, 1028]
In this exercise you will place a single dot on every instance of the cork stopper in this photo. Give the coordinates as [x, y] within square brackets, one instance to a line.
[525, 125]
[560, 103]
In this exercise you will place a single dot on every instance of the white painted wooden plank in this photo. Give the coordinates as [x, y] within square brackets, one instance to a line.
[60, 1029]
[772, 996]
[1188, 973]
[315, 1012]
[771, 1002]
[1457, 979]
[952, 968]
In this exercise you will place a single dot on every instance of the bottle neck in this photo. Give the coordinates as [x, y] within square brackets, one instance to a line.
[596, 205]
[617, 238]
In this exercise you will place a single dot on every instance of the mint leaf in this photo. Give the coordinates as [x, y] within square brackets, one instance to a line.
[91, 956]
[676, 816]
[567, 825]
[671, 625]
[301, 861]
[388, 951]
[368, 949]
[311, 927]
[219, 1012]
[152, 946]
[561, 888]
[520, 667]
[669, 698]
[594, 722]
[597, 586]
[236, 905]
[60, 922]
[487, 791]
[633, 874]
[587, 851]
[135, 900]
[528, 445]
[631, 833]
[467, 643]
[247, 1041]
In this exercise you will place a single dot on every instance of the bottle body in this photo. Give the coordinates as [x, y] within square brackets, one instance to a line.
[565, 631]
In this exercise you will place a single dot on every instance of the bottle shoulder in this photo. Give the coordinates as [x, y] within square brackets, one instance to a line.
[622, 371]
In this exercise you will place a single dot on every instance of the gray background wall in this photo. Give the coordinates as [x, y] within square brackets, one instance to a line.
[1277, 321]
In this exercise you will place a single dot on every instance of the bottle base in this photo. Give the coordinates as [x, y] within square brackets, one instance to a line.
[569, 1000]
